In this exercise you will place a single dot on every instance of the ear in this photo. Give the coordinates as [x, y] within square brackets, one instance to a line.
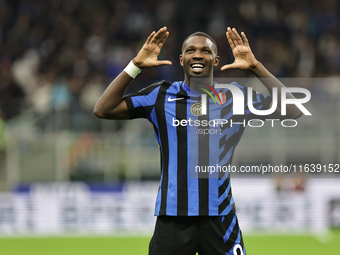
[217, 60]
[181, 59]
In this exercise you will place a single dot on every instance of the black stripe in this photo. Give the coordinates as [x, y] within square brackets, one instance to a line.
[265, 102]
[150, 88]
[182, 152]
[223, 187]
[226, 166]
[131, 109]
[228, 143]
[203, 161]
[163, 131]
[156, 130]
[226, 109]
[225, 203]
[141, 112]
[232, 238]
[253, 95]
[227, 221]
[241, 242]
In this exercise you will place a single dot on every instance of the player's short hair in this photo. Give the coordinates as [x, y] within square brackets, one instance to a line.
[201, 34]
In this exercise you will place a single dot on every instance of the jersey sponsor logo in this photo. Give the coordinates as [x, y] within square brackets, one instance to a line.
[174, 99]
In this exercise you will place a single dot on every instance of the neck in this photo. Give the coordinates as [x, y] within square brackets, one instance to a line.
[187, 80]
[207, 80]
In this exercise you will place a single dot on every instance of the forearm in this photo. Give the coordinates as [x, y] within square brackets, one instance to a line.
[270, 82]
[112, 96]
[111, 104]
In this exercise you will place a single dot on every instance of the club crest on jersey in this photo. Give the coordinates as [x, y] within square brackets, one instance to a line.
[196, 109]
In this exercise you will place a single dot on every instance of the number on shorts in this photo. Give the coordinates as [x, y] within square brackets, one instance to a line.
[238, 247]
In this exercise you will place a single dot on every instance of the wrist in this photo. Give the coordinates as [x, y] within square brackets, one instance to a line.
[256, 66]
[137, 63]
[132, 70]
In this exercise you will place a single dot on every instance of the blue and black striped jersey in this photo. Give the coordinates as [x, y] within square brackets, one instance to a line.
[189, 144]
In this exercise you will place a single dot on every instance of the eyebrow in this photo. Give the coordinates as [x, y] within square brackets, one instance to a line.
[194, 46]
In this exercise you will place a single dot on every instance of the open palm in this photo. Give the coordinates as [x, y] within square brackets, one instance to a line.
[244, 57]
[148, 55]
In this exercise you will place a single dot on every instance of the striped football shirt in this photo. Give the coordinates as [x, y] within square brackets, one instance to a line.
[195, 152]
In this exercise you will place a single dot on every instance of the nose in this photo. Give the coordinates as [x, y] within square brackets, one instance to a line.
[197, 55]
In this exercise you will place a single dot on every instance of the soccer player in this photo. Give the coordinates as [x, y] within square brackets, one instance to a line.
[194, 214]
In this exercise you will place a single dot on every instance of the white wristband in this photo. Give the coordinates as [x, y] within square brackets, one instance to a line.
[132, 70]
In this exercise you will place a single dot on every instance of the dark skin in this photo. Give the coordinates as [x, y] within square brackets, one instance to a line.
[196, 50]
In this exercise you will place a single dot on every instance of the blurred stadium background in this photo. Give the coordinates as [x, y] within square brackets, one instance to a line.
[66, 174]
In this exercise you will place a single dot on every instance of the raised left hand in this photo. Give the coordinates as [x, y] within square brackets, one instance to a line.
[244, 57]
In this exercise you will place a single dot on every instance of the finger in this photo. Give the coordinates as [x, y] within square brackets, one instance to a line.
[158, 36]
[148, 40]
[237, 36]
[163, 39]
[164, 62]
[232, 36]
[229, 66]
[232, 46]
[246, 43]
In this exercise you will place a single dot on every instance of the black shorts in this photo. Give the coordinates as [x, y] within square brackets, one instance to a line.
[207, 235]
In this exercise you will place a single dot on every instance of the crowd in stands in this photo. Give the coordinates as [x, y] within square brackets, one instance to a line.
[59, 55]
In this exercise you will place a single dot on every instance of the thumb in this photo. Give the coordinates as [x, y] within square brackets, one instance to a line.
[164, 62]
[229, 66]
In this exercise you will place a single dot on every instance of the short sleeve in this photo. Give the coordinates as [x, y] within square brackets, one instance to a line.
[260, 102]
[140, 104]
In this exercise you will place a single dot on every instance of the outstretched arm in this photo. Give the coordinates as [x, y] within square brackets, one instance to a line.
[111, 104]
[245, 60]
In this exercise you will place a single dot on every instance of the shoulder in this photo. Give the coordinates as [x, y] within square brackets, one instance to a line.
[234, 84]
[243, 88]
[152, 87]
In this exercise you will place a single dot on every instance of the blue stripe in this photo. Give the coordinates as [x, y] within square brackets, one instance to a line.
[145, 100]
[228, 209]
[213, 196]
[246, 112]
[237, 241]
[193, 201]
[159, 195]
[225, 194]
[214, 160]
[229, 230]
[158, 199]
[225, 176]
[153, 119]
[170, 113]
[228, 155]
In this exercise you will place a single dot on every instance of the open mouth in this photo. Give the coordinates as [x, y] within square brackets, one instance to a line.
[197, 67]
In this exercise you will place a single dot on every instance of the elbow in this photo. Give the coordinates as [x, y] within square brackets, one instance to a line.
[98, 112]
[298, 115]
[293, 112]
[104, 114]
[295, 115]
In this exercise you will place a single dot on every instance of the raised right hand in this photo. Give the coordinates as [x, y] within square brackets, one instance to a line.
[148, 55]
